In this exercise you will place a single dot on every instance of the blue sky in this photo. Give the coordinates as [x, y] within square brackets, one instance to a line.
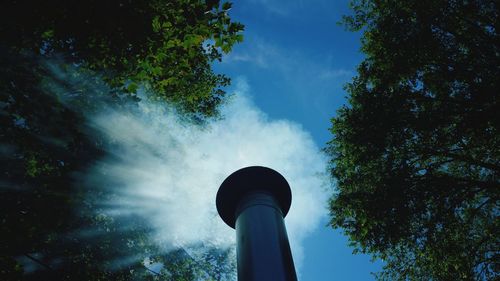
[295, 60]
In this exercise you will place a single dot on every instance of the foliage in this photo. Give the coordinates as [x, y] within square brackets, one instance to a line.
[416, 151]
[166, 46]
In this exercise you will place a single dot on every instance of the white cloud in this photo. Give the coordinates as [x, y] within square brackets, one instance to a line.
[336, 73]
[288, 62]
[259, 59]
[310, 81]
[168, 172]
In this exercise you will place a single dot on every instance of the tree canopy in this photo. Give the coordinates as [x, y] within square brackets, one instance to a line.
[165, 45]
[112, 47]
[415, 153]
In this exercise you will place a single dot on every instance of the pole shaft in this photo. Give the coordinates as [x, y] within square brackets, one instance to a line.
[263, 250]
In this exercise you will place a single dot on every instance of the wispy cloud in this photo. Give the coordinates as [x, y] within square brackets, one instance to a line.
[167, 172]
[280, 7]
[259, 59]
[287, 62]
[336, 73]
[311, 81]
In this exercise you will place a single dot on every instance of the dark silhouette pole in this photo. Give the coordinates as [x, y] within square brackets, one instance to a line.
[254, 201]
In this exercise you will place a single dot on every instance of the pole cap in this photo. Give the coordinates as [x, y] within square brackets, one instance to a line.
[246, 180]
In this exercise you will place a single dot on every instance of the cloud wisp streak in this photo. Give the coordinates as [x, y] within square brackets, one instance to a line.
[290, 63]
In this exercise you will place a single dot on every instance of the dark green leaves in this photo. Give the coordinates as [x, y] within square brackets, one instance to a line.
[166, 47]
[159, 44]
[415, 153]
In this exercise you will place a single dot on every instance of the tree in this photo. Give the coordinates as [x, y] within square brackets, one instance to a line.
[415, 153]
[166, 45]
[115, 47]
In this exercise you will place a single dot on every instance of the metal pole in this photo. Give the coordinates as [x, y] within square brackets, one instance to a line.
[254, 201]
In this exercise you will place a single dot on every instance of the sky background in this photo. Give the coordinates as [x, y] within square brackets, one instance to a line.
[295, 60]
